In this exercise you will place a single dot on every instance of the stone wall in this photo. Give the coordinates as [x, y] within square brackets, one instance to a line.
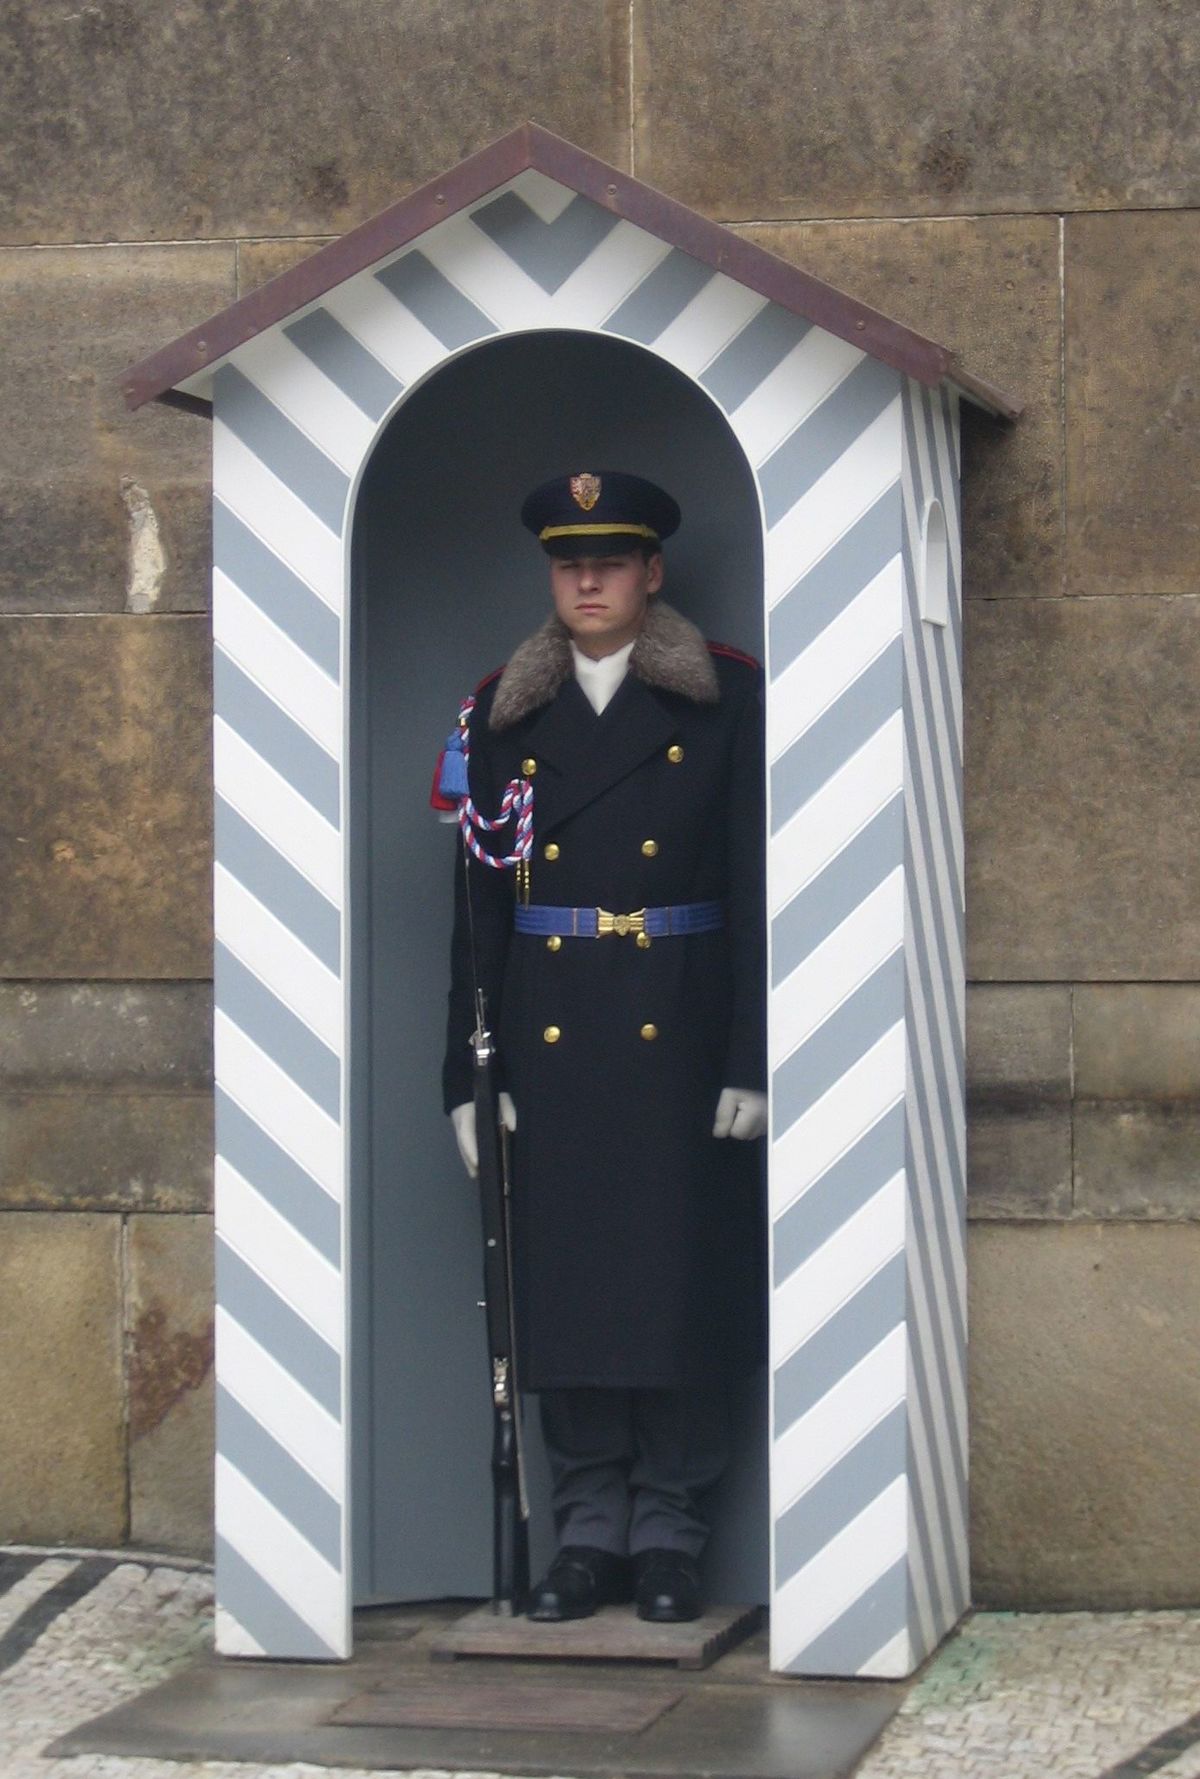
[1018, 182]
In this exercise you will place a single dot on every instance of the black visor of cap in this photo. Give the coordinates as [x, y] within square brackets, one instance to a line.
[599, 513]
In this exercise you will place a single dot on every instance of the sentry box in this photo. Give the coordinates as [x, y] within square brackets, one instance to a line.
[534, 308]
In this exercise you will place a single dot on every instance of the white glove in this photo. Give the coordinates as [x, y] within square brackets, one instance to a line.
[741, 1112]
[463, 1120]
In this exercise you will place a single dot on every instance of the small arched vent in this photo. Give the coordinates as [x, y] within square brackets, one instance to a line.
[933, 583]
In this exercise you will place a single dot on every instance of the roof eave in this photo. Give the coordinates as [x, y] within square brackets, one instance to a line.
[982, 394]
[531, 146]
[312, 277]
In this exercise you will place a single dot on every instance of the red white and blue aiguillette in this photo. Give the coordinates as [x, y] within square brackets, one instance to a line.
[452, 791]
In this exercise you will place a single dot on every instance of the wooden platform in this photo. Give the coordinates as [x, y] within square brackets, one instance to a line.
[614, 1634]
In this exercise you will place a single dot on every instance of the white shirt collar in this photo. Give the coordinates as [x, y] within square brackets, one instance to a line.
[600, 679]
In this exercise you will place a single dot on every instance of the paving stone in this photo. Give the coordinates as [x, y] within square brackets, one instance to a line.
[1023, 1695]
[61, 1408]
[102, 510]
[1137, 1040]
[108, 1150]
[106, 809]
[170, 1382]
[989, 287]
[1133, 402]
[1134, 1160]
[1085, 1405]
[132, 120]
[25, 1590]
[140, 1625]
[885, 107]
[1083, 826]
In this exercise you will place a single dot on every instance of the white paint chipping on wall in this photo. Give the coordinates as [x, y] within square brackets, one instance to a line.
[147, 560]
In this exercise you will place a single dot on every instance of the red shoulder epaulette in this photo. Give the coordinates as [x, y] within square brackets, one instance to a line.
[488, 678]
[443, 805]
[723, 648]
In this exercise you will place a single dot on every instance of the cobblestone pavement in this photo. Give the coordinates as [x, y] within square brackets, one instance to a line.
[1012, 1696]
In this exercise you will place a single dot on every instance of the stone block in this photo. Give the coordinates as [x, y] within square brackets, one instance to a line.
[106, 1096]
[61, 1408]
[1085, 1415]
[1133, 401]
[98, 1034]
[1018, 1162]
[106, 1150]
[106, 806]
[131, 120]
[1018, 1043]
[988, 287]
[102, 510]
[1137, 1040]
[1018, 1100]
[1134, 1160]
[170, 1314]
[893, 107]
[260, 261]
[1083, 832]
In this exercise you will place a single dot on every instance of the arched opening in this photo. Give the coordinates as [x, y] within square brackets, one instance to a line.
[444, 583]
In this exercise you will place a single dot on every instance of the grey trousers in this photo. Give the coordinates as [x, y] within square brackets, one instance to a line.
[629, 1468]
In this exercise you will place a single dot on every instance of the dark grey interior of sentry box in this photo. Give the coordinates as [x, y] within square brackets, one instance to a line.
[734, 1719]
[446, 581]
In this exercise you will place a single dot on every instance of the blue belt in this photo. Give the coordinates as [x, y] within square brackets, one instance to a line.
[596, 923]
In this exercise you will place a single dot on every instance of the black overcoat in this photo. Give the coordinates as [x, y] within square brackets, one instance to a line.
[638, 1236]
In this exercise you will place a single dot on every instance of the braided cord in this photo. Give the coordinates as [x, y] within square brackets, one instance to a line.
[518, 796]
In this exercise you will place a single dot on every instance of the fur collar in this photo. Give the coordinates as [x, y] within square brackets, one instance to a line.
[670, 653]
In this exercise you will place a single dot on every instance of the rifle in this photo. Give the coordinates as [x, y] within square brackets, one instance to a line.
[510, 1504]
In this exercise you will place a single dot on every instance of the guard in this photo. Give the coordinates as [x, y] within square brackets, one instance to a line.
[609, 788]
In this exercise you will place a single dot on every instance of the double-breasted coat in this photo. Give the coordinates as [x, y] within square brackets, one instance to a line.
[638, 1236]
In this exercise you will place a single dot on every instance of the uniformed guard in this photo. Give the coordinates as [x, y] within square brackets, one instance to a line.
[609, 783]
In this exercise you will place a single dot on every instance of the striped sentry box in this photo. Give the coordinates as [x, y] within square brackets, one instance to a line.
[857, 469]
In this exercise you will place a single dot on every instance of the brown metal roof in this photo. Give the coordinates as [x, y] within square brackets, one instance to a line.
[157, 377]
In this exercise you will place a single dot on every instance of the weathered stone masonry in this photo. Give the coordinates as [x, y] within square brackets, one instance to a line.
[160, 162]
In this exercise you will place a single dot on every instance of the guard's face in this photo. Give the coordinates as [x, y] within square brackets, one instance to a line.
[602, 599]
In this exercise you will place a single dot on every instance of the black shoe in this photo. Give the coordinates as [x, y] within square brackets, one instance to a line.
[578, 1580]
[667, 1586]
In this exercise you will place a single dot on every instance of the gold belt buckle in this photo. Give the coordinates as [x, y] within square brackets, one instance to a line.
[619, 923]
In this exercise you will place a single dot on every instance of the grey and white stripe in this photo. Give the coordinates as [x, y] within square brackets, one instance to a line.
[934, 942]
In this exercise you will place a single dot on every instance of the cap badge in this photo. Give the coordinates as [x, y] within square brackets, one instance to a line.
[585, 491]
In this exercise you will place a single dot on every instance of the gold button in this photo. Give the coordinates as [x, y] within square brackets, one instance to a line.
[649, 1032]
[550, 852]
[675, 754]
[643, 941]
[554, 942]
[552, 1034]
[649, 848]
[529, 767]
